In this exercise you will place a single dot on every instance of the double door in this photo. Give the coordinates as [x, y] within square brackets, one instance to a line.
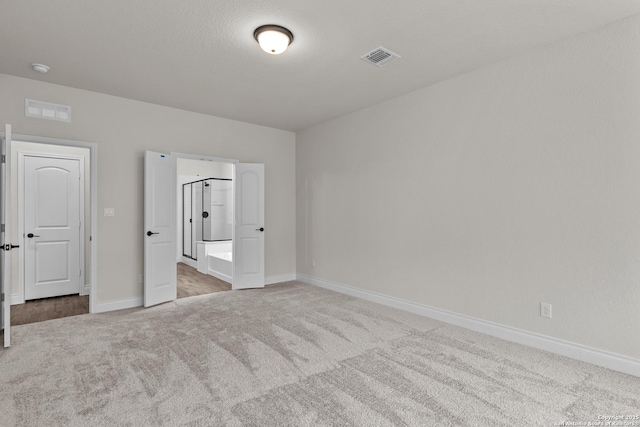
[160, 220]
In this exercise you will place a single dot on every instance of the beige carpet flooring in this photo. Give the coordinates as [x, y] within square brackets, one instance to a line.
[290, 355]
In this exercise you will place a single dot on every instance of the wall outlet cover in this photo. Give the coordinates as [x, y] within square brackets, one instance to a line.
[545, 310]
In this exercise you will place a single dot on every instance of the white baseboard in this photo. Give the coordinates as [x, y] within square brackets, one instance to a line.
[220, 276]
[190, 262]
[272, 280]
[580, 352]
[103, 307]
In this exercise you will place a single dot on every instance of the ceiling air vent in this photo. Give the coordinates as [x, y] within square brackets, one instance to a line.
[380, 56]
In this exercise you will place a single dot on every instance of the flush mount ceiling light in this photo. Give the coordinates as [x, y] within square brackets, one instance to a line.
[273, 39]
[41, 68]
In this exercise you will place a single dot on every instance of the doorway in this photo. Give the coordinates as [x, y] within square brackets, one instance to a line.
[51, 220]
[204, 226]
[161, 226]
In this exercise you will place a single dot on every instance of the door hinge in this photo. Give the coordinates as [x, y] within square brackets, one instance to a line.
[3, 158]
[2, 297]
[1, 228]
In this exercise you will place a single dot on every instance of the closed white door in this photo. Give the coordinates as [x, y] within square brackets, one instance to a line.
[160, 239]
[249, 227]
[52, 206]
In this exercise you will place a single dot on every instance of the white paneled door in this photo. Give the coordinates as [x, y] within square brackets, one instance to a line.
[52, 207]
[249, 227]
[160, 269]
[5, 285]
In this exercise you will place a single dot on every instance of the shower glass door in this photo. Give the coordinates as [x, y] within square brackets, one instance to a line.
[207, 213]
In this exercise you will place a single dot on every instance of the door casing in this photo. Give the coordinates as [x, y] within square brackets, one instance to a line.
[93, 197]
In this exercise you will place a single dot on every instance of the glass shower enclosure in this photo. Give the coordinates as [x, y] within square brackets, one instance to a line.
[207, 213]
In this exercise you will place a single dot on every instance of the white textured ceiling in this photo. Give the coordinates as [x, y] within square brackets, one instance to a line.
[200, 55]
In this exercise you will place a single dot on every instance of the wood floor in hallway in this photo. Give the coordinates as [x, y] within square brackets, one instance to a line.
[43, 309]
[191, 282]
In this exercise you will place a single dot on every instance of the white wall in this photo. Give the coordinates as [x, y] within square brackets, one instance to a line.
[123, 129]
[491, 192]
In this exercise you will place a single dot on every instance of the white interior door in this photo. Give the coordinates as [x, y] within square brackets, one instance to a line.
[248, 237]
[160, 268]
[52, 226]
[5, 284]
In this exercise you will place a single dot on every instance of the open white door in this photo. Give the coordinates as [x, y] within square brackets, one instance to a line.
[5, 283]
[160, 270]
[248, 228]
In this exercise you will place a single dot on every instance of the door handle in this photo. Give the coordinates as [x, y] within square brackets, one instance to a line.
[31, 235]
[149, 233]
[8, 247]
[260, 229]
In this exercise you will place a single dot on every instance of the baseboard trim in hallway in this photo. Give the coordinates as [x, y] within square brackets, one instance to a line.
[576, 351]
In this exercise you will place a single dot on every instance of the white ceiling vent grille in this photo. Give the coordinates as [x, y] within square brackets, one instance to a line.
[380, 57]
[47, 110]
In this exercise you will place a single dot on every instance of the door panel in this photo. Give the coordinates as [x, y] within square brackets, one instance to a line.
[52, 206]
[48, 271]
[248, 239]
[160, 270]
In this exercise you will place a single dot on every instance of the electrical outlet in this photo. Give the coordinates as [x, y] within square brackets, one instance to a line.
[545, 310]
[109, 212]
[313, 263]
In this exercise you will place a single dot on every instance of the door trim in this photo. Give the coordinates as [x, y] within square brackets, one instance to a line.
[21, 231]
[93, 195]
[203, 158]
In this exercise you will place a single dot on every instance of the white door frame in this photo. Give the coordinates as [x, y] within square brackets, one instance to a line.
[93, 194]
[21, 232]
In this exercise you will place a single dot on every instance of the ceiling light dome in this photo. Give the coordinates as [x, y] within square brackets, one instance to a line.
[273, 39]
[41, 68]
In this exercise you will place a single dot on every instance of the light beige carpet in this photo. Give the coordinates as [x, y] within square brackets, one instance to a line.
[290, 355]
